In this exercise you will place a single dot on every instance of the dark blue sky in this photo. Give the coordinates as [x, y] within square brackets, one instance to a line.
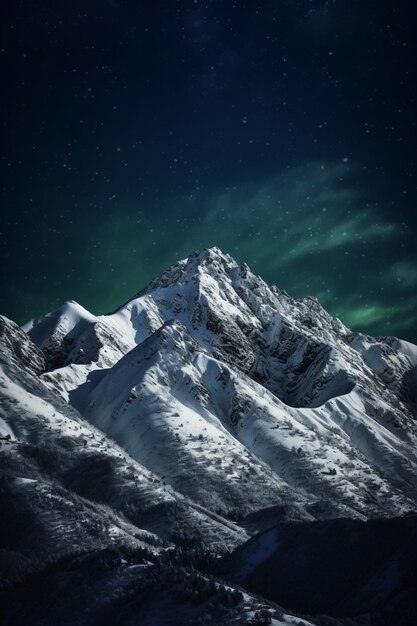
[282, 132]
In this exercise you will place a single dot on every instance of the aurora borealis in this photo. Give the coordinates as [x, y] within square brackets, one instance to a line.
[282, 132]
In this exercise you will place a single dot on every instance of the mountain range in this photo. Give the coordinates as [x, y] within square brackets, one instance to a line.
[213, 451]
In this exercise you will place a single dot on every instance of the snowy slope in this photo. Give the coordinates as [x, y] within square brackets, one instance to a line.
[167, 412]
[53, 445]
[210, 378]
[87, 534]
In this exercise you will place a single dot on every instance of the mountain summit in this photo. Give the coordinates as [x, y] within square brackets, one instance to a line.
[207, 401]
[209, 350]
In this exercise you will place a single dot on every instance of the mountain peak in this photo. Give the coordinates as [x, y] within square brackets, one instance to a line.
[209, 253]
[209, 260]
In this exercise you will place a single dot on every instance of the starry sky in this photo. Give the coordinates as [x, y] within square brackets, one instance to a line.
[283, 132]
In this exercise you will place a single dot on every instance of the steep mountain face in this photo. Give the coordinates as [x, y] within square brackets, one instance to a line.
[18, 350]
[237, 385]
[87, 534]
[53, 447]
[138, 446]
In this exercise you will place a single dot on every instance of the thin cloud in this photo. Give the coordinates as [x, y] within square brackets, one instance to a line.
[309, 209]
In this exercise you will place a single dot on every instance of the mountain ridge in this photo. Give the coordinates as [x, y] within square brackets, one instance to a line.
[206, 409]
[325, 379]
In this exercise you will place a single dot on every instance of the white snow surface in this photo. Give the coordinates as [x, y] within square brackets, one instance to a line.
[29, 417]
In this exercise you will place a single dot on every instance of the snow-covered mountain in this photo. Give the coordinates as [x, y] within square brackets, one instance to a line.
[88, 535]
[216, 381]
[207, 408]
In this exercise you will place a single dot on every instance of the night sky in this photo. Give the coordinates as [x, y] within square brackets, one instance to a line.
[281, 131]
